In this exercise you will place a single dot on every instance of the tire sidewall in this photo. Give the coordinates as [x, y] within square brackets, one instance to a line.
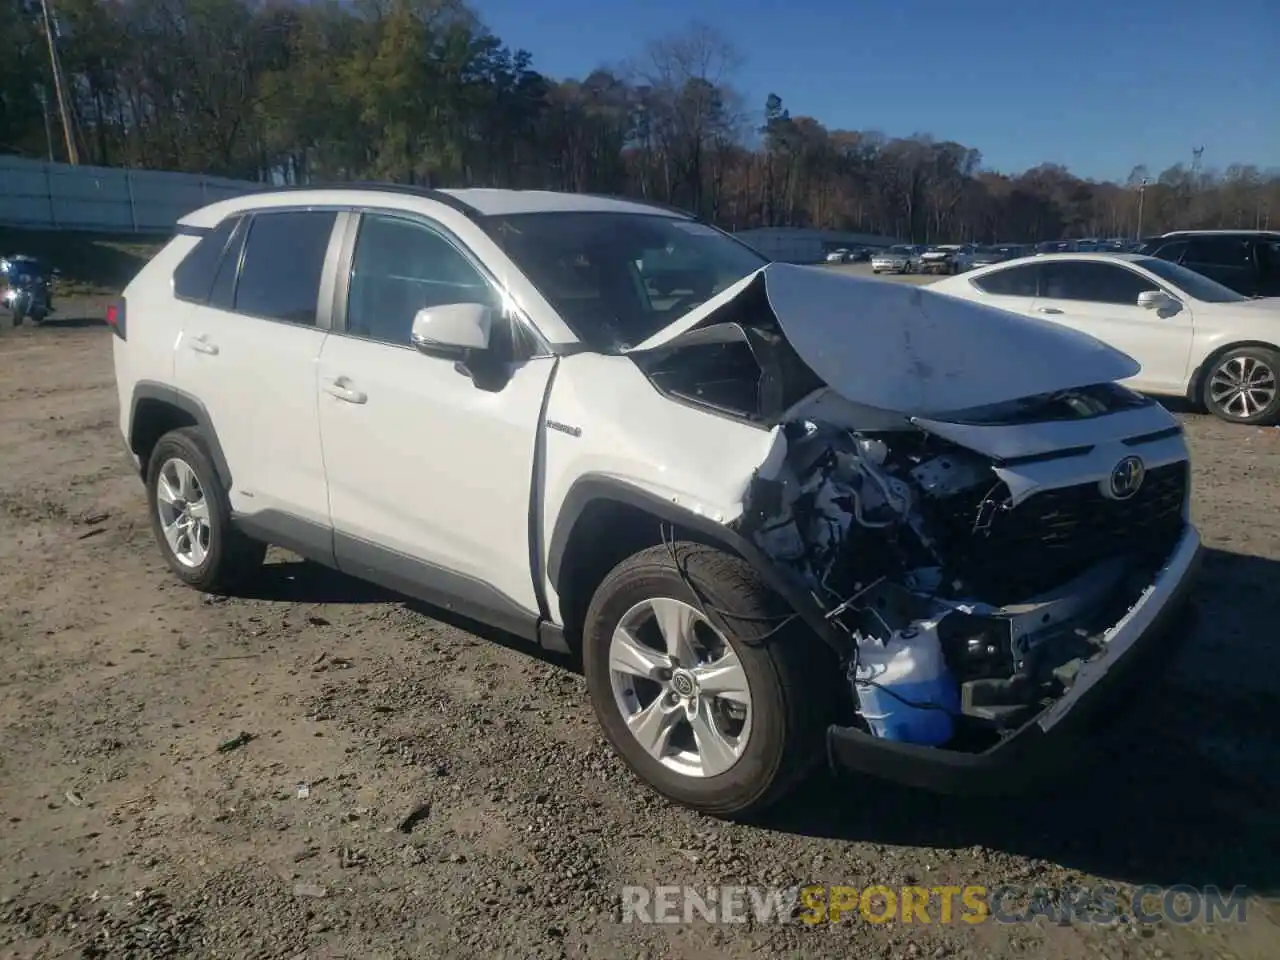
[184, 446]
[1266, 416]
[755, 772]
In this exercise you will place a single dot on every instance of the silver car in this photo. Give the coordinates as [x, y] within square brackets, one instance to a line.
[897, 259]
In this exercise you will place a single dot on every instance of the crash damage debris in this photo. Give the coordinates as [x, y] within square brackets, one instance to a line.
[916, 551]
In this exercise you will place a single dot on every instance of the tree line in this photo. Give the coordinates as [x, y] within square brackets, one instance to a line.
[420, 91]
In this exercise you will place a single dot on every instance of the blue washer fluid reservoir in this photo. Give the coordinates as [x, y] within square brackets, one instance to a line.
[911, 666]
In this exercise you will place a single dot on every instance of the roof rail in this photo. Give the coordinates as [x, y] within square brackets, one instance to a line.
[412, 190]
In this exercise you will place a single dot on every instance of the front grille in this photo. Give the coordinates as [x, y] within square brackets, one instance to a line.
[1004, 555]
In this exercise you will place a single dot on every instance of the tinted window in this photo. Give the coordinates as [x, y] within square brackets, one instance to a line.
[401, 267]
[194, 275]
[1194, 284]
[1218, 252]
[1095, 282]
[283, 257]
[1169, 251]
[222, 296]
[1013, 282]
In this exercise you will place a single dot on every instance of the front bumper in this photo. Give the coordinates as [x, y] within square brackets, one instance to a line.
[1140, 644]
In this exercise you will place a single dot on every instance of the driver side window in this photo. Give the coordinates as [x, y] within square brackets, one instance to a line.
[400, 267]
[1093, 282]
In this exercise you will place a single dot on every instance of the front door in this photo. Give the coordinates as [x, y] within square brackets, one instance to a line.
[430, 471]
[1101, 299]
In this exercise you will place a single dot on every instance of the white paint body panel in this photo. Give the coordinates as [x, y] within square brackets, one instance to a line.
[632, 433]
[430, 466]
[260, 392]
[1169, 345]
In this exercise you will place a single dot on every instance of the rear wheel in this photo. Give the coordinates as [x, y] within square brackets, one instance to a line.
[720, 713]
[191, 516]
[1241, 386]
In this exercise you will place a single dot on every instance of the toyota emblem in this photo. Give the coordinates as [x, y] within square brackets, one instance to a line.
[1126, 478]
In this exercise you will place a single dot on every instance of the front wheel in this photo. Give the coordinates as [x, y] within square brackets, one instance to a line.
[721, 711]
[1241, 386]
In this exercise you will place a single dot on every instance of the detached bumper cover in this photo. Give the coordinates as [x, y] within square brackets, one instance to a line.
[1140, 644]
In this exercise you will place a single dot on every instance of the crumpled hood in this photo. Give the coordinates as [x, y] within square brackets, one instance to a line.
[901, 348]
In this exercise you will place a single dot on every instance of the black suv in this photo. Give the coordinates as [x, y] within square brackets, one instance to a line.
[1247, 261]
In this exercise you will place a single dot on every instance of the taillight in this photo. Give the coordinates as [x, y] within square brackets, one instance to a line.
[115, 316]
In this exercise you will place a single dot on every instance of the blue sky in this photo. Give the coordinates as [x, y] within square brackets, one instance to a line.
[1098, 86]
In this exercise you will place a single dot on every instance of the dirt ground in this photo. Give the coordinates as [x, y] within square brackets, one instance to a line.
[125, 831]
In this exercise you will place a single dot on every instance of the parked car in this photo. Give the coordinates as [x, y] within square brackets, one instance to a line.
[899, 258]
[942, 258]
[838, 256]
[1247, 261]
[1194, 337]
[985, 256]
[792, 515]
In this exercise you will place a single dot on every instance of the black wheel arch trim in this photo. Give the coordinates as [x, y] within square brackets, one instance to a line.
[150, 390]
[592, 487]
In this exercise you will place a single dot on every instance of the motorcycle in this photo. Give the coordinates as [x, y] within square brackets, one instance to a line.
[28, 288]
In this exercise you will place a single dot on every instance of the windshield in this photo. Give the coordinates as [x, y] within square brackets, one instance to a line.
[1195, 284]
[618, 278]
[900, 249]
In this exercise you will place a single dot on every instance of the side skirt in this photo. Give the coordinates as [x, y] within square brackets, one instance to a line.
[465, 596]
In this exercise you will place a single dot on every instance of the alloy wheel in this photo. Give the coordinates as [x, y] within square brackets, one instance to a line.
[184, 512]
[1242, 387]
[680, 688]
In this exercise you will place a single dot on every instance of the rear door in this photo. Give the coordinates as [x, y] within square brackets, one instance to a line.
[249, 353]
[1101, 299]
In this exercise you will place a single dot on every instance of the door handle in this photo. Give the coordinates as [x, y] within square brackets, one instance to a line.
[338, 388]
[1047, 310]
[201, 344]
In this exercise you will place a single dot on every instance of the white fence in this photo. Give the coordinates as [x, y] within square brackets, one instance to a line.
[58, 196]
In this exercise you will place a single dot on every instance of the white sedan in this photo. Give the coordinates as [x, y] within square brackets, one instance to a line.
[1193, 337]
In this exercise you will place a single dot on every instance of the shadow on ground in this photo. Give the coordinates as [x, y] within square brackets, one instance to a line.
[1179, 791]
[72, 321]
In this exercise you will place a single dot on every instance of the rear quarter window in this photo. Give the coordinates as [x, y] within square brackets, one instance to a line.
[193, 277]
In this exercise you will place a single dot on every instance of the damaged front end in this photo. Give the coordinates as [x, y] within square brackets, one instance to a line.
[982, 568]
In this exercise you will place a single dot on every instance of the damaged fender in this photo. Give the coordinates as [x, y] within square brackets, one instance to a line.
[591, 487]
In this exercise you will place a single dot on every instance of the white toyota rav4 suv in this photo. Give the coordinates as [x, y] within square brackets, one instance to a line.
[780, 513]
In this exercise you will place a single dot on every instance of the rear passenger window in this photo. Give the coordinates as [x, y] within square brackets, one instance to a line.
[193, 278]
[1014, 282]
[283, 258]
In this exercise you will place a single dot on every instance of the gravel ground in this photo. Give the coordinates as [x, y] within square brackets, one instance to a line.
[315, 768]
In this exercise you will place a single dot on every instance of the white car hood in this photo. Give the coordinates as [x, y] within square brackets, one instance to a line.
[901, 348]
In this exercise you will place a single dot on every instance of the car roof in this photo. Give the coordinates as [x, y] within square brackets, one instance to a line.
[474, 202]
[1218, 233]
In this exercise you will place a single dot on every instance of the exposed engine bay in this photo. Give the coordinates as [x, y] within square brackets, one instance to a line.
[971, 608]
[907, 540]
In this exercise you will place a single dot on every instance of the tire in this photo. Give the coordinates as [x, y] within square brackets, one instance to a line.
[18, 315]
[876, 272]
[225, 556]
[37, 318]
[1259, 366]
[785, 669]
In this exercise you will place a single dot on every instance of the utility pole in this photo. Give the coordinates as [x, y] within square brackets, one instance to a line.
[1142, 190]
[59, 86]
